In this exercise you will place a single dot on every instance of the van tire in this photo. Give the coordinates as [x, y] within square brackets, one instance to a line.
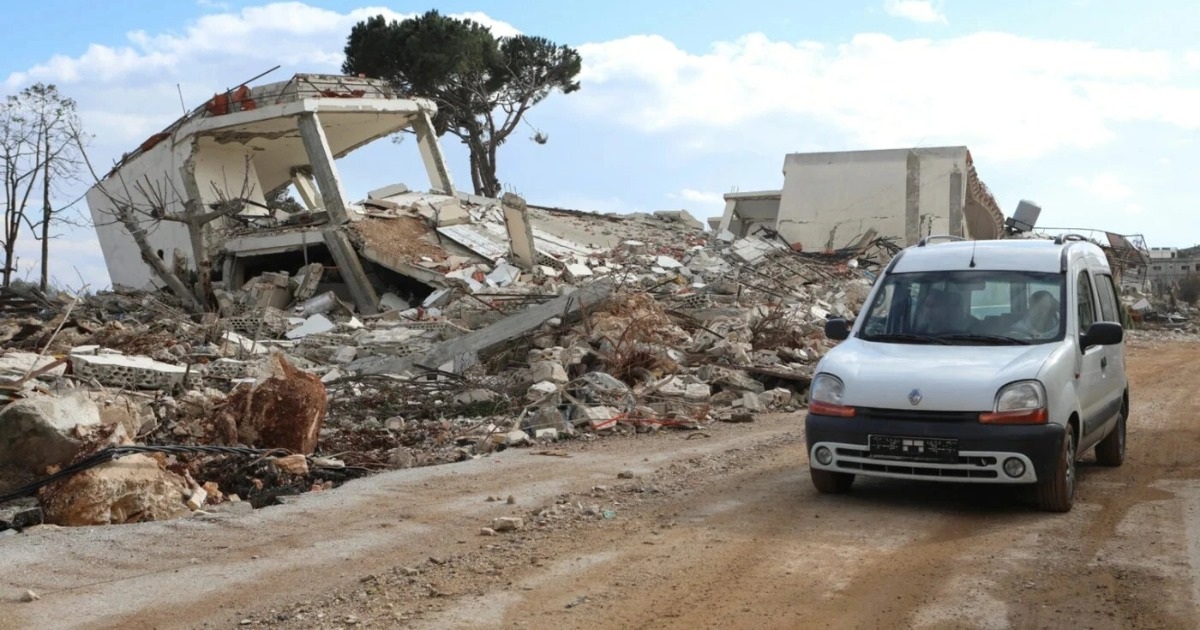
[829, 482]
[1111, 450]
[1057, 493]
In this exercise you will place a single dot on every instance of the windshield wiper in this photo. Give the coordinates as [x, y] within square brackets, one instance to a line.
[997, 339]
[907, 338]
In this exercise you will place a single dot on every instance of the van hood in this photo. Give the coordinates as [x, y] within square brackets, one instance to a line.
[949, 378]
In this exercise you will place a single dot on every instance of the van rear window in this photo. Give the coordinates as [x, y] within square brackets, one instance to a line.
[967, 307]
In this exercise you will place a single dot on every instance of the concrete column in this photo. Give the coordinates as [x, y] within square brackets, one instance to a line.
[352, 271]
[431, 154]
[520, 231]
[956, 203]
[308, 191]
[321, 160]
[727, 216]
[912, 200]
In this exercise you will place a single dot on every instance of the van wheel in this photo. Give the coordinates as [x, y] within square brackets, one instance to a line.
[1057, 494]
[1111, 450]
[829, 482]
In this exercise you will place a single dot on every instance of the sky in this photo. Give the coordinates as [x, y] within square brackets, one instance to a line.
[1090, 108]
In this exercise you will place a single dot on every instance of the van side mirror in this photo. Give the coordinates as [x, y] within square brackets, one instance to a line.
[837, 328]
[1099, 334]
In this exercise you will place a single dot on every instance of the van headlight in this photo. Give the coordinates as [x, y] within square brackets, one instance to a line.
[825, 397]
[1022, 402]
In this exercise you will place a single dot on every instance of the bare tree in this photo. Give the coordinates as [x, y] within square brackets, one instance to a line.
[141, 206]
[38, 128]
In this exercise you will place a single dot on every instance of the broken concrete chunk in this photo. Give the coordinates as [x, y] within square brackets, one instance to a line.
[751, 402]
[515, 437]
[598, 418]
[477, 395]
[344, 355]
[666, 262]
[697, 392]
[132, 489]
[551, 371]
[547, 417]
[507, 523]
[314, 325]
[671, 386]
[725, 378]
[39, 432]
[503, 275]
[775, 398]
[541, 389]
[393, 302]
[135, 372]
[17, 364]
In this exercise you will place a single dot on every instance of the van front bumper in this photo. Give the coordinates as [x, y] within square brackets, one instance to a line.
[982, 449]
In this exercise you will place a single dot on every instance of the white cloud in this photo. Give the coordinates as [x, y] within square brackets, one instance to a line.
[1103, 186]
[701, 199]
[921, 11]
[1006, 96]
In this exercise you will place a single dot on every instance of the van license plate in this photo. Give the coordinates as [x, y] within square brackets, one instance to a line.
[941, 450]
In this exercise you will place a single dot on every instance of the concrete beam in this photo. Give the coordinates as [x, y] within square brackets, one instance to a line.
[321, 160]
[431, 154]
[352, 271]
[466, 350]
[416, 272]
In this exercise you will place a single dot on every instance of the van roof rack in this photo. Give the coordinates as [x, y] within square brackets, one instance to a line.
[1063, 238]
[932, 237]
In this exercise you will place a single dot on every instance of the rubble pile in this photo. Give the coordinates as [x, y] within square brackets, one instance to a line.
[651, 323]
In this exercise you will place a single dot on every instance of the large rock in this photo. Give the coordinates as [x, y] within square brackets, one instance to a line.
[284, 410]
[132, 489]
[36, 433]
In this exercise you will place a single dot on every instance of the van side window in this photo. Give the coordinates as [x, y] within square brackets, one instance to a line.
[1108, 299]
[1087, 304]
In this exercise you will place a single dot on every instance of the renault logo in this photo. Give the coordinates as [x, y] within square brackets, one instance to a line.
[914, 397]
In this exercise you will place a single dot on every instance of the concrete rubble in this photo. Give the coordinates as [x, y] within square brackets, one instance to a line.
[406, 329]
[668, 330]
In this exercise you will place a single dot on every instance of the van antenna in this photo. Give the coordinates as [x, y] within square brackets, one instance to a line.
[974, 244]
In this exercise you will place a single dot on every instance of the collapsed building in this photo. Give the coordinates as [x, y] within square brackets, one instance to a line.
[839, 200]
[411, 327]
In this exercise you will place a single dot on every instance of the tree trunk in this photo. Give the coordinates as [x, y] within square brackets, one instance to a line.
[46, 214]
[203, 289]
[159, 266]
[475, 181]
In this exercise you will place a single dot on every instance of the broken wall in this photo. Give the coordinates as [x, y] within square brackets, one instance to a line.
[160, 166]
[829, 200]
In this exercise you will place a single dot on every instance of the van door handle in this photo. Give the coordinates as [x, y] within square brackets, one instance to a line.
[1103, 362]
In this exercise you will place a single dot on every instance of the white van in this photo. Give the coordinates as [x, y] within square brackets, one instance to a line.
[975, 361]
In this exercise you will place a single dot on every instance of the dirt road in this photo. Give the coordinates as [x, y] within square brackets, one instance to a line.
[717, 531]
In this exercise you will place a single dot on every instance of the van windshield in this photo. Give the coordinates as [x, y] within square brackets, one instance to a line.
[967, 308]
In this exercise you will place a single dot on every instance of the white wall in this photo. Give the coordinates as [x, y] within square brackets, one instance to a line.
[832, 199]
[157, 172]
[224, 170]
